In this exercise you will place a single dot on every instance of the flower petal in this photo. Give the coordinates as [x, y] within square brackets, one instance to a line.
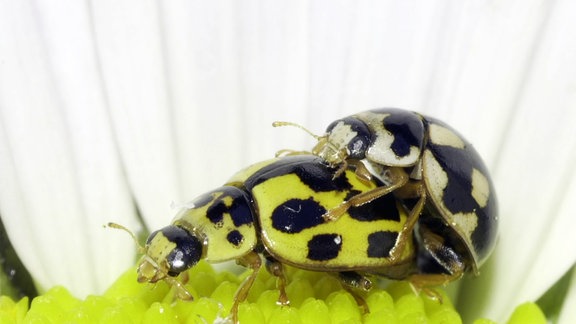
[158, 102]
[61, 176]
[535, 178]
[128, 44]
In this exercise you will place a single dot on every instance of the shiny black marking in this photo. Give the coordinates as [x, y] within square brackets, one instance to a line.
[296, 215]
[457, 196]
[359, 144]
[235, 237]
[239, 210]
[383, 208]
[187, 252]
[380, 244]
[324, 247]
[407, 129]
[215, 212]
[311, 170]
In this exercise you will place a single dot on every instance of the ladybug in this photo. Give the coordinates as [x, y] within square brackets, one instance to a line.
[273, 211]
[429, 166]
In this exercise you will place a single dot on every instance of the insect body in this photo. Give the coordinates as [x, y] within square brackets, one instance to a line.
[386, 192]
[423, 159]
[275, 208]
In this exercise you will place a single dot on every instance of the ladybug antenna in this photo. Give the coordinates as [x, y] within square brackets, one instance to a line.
[285, 123]
[123, 228]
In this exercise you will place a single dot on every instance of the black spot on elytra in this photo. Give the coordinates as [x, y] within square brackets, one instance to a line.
[240, 212]
[324, 247]
[296, 215]
[382, 208]
[407, 129]
[380, 244]
[235, 237]
[240, 209]
[458, 163]
[310, 169]
[215, 212]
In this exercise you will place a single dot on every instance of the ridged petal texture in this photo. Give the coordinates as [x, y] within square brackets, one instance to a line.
[111, 109]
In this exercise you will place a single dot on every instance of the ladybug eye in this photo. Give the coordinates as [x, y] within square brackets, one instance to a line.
[188, 250]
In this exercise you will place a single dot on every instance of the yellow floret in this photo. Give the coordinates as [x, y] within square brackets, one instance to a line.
[315, 298]
[527, 313]
[11, 312]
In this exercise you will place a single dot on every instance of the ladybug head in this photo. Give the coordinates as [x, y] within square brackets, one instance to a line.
[345, 138]
[169, 252]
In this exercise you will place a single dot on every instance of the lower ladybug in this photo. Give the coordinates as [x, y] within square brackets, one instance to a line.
[275, 210]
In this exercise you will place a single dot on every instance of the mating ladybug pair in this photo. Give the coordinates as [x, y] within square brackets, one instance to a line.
[385, 192]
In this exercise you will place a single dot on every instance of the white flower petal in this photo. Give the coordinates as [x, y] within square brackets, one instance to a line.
[161, 101]
[128, 43]
[61, 177]
[533, 173]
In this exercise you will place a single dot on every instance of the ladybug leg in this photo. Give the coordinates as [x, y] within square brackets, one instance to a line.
[180, 291]
[443, 262]
[398, 179]
[425, 282]
[276, 269]
[353, 282]
[251, 260]
[341, 168]
[416, 285]
[407, 230]
[362, 172]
